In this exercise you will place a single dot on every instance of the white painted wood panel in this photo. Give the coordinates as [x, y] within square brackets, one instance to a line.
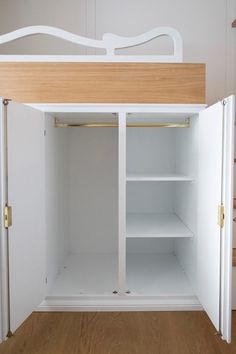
[226, 235]
[93, 189]
[209, 198]
[150, 151]
[86, 274]
[149, 225]
[110, 42]
[56, 197]
[185, 198]
[152, 274]
[121, 303]
[166, 110]
[150, 245]
[170, 177]
[122, 204]
[150, 197]
[4, 294]
[27, 258]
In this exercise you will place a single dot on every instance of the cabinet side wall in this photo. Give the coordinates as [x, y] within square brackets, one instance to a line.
[57, 218]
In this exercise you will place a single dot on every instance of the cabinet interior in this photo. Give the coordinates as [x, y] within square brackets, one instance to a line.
[82, 190]
[82, 207]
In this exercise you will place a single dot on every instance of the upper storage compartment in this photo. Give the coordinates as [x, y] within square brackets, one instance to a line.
[108, 78]
[103, 82]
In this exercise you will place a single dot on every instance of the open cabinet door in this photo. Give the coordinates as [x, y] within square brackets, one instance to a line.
[227, 230]
[26, 195]
[215, 171]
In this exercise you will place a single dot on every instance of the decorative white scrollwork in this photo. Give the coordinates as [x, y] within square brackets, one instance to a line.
[110, 42]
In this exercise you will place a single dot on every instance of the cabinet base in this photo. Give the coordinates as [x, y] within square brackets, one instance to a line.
[121, 303]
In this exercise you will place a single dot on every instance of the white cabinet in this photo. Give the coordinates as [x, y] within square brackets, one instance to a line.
[121, 217]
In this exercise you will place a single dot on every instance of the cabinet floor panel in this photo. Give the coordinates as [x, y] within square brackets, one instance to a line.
[156, 274]
[87, 273]
[155, 225]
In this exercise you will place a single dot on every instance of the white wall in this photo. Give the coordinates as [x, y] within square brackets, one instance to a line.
[204, 24]
[66, 14]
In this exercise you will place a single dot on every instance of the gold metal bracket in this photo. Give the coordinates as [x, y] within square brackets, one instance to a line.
[7, 216]
[221, 215]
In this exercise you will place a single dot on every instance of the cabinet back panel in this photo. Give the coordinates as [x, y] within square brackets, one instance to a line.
[93, 189]
[149, 245]
[150, 197]
[151, 150]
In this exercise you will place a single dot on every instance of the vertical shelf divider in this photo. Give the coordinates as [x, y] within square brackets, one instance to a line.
[122, 204]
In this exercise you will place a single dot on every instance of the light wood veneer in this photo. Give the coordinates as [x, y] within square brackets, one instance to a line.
[33, 82]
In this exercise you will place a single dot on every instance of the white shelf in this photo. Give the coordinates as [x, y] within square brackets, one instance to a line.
[156, 274]
[170, 177]
[87, 274]
[155, 225]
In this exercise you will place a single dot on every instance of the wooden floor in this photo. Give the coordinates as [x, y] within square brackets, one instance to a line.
[121, 332]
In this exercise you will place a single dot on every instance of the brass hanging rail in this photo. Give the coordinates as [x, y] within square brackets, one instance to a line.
[58, 124]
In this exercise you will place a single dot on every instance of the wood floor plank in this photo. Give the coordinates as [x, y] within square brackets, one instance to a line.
[234, 257]
[118, 333]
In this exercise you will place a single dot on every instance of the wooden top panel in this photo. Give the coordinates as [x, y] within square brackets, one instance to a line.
[32, 82]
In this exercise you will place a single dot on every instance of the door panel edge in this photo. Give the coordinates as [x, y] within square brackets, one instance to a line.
[226, 236]
[4, 295]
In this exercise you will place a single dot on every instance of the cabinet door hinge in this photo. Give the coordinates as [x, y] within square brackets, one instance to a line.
[221, 215]
[7, 216]
[224, 102]
[6, 101]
